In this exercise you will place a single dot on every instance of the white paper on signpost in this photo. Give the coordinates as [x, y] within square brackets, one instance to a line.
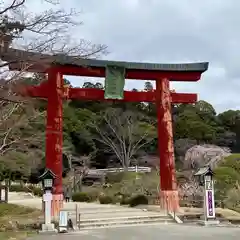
[63, 221]
[209, 198]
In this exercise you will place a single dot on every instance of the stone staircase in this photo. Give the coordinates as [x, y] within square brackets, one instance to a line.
[106, 216]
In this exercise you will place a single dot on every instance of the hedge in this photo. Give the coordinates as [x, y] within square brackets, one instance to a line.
[84, 197]
[106, 199]
[138, 200]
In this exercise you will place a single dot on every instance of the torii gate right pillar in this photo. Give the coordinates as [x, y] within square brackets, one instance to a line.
[169, 199]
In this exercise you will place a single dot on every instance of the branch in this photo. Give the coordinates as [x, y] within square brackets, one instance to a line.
[107, 141]
[112, 128]
[14, 108]
[14, 5]
[22, 121]
[118, 130]
[130, 134]
[5, 144]
[136, 148]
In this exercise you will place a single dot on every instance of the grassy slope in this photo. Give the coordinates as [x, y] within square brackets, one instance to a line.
[14, 235]
[10, 214]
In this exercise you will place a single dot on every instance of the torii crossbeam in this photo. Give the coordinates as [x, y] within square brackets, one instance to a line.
[55, 92]
[94, 94]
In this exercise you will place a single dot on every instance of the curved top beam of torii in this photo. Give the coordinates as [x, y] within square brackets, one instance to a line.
[68, 65]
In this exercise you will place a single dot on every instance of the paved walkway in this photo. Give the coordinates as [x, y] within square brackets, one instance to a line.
[87, 210]
[156, 232]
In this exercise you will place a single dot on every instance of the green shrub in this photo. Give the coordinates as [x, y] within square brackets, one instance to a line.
[122, 198]
[81, 197]
[125, 201]
[226, 179]
[232, 161]
[119, 177]
[232, 200]
[37, 192]
[106, 199]
[138, 200]
[114, 177]
[93, 195]
[19, 188]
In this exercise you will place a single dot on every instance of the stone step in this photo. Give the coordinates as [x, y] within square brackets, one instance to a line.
[102, 210]
[86, 229]
[106, 223]
[96, 205]
[116, 211]
[115, 218]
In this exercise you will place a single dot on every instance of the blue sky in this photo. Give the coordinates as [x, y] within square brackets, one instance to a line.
[168, 31]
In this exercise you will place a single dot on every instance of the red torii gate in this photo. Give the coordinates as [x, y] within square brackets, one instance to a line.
[55, 92]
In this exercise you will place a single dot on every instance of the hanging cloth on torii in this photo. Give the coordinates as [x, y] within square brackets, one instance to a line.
[114, 82]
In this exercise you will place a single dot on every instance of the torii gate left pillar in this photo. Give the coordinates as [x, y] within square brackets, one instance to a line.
[54, 135]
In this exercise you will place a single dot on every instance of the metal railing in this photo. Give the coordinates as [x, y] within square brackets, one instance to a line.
[115, 170]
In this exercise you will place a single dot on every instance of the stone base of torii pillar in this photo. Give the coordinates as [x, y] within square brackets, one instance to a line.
[57, 205]
[169, 201]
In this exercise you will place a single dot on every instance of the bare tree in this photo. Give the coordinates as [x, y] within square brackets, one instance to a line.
[15, 128]
[123, 133]
[79, 170]
[45, 32]
[48, 31]
[190, 188]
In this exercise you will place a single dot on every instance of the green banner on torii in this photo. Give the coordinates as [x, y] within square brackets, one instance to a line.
[114, 82]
